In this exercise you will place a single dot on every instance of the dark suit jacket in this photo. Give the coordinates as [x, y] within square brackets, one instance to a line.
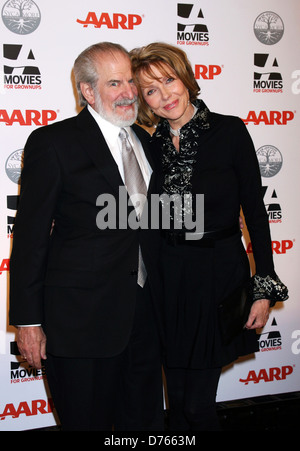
[79, 282]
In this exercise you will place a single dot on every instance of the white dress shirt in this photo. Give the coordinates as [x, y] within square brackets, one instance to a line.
[111, 135]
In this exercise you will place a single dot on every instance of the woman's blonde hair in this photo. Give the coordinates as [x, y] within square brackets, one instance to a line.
[161, 56]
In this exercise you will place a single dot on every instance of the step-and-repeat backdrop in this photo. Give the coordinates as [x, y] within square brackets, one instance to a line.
[246, 59]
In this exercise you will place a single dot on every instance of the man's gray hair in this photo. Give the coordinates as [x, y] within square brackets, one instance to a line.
[85, 69]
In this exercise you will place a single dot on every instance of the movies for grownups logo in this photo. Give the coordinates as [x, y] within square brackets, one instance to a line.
[21, 16]
[191, 28]
[267, 78]
[21, 371]
[270, 340]
[272, 205]
[20, 70]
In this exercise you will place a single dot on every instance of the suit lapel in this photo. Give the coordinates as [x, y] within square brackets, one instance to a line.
[93, 142]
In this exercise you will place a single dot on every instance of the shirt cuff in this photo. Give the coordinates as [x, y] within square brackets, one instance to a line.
[269, 288]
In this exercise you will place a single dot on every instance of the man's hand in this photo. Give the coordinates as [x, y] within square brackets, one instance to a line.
[259, 314]
[31, 342]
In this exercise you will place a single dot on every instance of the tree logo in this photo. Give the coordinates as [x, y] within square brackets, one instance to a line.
[270, 160]
[268, 28]
[13, 166]
[21, 16]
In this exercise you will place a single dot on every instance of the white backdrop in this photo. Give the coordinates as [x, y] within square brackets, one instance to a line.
[246, 57]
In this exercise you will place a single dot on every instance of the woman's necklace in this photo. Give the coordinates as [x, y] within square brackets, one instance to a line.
[177, 132]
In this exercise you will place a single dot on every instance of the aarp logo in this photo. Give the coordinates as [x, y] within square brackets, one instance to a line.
[115, 21]
[207, 72]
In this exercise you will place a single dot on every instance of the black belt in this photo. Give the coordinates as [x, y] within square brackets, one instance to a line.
[178, 237]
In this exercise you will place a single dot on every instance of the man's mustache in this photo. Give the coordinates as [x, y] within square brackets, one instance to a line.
[125, 102]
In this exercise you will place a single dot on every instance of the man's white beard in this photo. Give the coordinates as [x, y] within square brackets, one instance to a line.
[115, 118]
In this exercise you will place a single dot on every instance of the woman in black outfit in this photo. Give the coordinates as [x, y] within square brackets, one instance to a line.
[200, 152]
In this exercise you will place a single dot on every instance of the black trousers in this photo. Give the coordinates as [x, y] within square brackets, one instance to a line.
[192, 398]
[122, 392]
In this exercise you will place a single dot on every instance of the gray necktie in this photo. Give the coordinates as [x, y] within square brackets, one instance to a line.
[135, 185]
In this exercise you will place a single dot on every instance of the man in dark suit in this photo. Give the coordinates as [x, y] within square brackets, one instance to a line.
[74, 292]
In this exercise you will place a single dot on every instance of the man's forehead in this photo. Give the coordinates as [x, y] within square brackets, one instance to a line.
[113, 63]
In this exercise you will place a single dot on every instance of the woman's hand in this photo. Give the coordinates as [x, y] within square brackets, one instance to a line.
[259, 314]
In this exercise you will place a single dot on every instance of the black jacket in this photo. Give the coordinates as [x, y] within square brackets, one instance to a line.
[78, 281]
